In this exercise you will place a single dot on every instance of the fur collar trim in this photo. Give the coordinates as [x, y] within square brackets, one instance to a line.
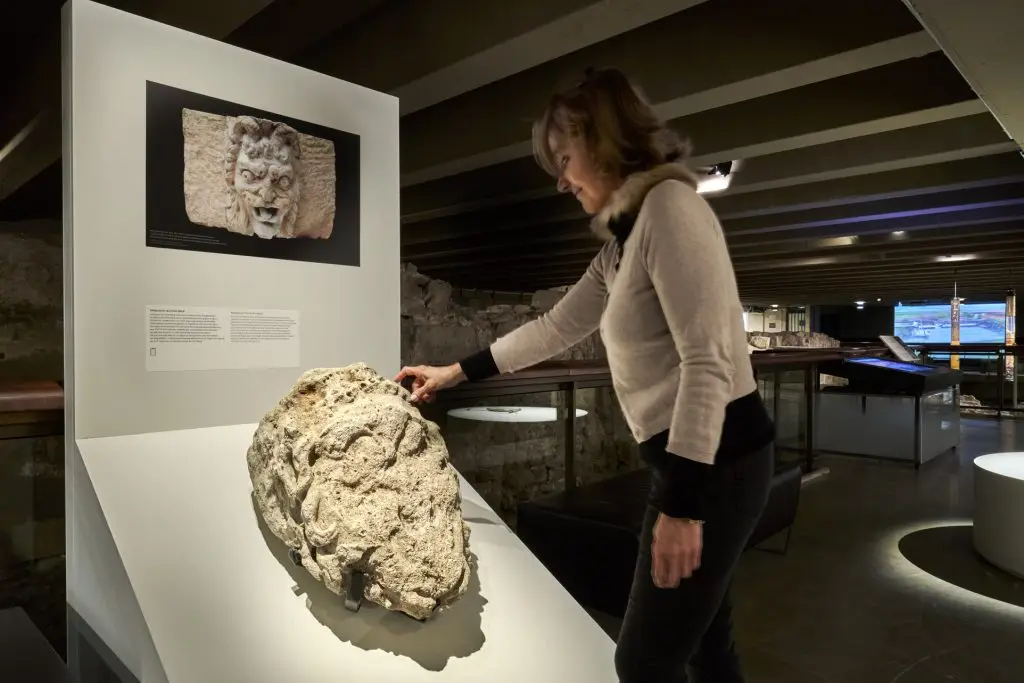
[630, 196]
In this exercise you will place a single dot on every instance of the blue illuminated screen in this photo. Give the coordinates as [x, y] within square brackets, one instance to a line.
[893, 365]
[979, 324]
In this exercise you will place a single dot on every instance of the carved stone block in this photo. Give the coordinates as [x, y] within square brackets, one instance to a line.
[356, 482]
[258, 177]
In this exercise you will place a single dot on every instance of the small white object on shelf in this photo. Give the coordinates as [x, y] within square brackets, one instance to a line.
[510, 413]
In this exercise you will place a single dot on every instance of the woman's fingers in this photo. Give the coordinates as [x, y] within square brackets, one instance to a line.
[409, 371]
[425, 382]
[423, 389]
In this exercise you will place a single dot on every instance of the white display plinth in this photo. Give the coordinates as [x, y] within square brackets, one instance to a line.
[223, 603]
[999, 510]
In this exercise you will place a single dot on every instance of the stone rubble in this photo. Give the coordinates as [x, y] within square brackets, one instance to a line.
[31, 297]
[350, 476]
[791, 340]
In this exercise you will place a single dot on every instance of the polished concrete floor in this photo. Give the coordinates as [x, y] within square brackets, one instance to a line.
[881, 584]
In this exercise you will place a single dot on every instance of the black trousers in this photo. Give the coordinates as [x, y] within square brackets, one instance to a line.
[667, 634]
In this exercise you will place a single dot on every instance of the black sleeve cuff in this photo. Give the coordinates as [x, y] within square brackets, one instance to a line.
[679, 486]
[479, 366]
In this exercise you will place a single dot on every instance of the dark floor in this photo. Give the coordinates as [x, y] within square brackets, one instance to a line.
[850, 602]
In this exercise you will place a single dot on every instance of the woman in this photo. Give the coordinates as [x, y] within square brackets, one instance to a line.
[663, 294]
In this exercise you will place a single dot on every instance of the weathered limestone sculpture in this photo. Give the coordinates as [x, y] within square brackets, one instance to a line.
[263, 164]
[350, 477]
[254, 176]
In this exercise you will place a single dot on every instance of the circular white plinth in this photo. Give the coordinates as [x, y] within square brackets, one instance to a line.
[509, 413]
[999, 510]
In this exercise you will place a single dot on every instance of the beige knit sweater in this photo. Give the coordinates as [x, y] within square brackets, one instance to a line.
[669, 315]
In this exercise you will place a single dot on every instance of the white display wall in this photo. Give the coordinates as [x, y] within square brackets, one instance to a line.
[344, 313]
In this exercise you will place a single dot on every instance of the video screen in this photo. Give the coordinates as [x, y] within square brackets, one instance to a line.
[979, 323]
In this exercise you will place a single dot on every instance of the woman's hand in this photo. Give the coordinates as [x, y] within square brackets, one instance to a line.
[675, 550]
[428, 380]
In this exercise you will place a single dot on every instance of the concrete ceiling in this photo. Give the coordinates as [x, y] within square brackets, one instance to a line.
[875, 138]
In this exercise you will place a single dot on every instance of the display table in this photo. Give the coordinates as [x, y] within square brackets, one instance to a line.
[223, 603]
[999, 510]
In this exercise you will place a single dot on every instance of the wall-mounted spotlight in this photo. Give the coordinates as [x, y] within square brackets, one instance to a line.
[717, 179]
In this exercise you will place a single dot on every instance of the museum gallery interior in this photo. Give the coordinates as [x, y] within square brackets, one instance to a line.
[225, 227]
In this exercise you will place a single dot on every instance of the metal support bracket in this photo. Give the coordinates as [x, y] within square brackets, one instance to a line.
[355, 584]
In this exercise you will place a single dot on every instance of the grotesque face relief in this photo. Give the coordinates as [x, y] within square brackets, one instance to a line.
[263, 172]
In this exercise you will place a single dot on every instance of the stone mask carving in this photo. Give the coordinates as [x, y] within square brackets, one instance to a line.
[263, 172]
[257, 177]
[358, 484]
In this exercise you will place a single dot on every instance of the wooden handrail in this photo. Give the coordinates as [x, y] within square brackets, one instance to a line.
[23, 397]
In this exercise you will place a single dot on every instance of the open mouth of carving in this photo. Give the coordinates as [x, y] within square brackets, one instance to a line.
[266, 214]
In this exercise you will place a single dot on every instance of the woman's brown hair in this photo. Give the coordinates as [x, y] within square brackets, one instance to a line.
[616, 123]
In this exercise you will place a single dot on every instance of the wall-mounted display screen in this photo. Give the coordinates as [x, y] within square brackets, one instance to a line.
[980, 323]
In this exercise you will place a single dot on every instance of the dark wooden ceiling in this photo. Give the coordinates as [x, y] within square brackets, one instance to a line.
[866, 167]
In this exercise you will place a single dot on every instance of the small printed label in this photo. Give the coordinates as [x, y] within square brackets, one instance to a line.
[207, 338]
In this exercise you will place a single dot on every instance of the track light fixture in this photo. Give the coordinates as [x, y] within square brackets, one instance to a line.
[717, 178]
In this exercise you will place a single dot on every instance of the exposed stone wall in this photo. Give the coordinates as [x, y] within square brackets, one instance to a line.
[509, 463]
[31, 264]
[436, 329]
[789, 340]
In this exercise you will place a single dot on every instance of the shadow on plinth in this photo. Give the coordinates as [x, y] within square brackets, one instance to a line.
[948, 553]
[455, 632]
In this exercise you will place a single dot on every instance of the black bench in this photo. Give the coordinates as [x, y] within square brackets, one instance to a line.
[588, 537]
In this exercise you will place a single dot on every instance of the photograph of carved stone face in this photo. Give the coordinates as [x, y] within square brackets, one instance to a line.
[251, 183]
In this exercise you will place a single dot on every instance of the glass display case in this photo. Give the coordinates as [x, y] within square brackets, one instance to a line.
[991, 376]
[558, 425]
[32, 504]
[537, 432]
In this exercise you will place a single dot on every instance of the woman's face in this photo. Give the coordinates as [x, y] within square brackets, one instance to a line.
[578, 175]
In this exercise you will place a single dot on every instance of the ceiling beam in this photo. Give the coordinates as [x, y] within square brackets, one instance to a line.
[988, 249]
[844, 109]
[959, 174]
[775, 31]
[983, 39]
[934, 178]
[573, 234]
[941, 142]
[36, 145]
[213, 19]
[899, 273]
[916, 212]
[853, 267]
[288, 27]
[853, 214]
[950, 240]
[427, 51]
